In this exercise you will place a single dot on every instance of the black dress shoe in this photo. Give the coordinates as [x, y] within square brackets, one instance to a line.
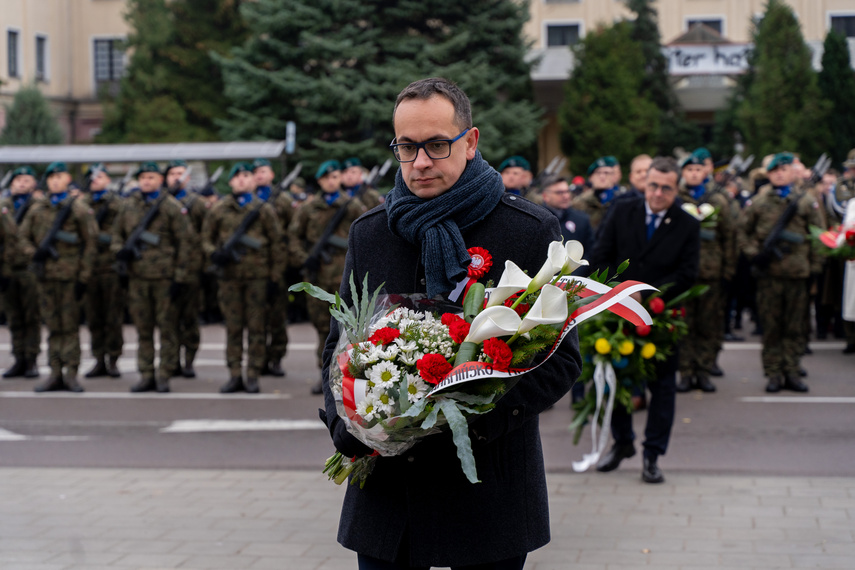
[275, 369]
[685, 383]
[704, 383]
[100, 369]
[52, 384]
[146, 384]
[113, 368]
[715, 370]
[808, 350]
[795, 384]
[733, 338]
[651, 473]
[611, 460]
[235, 384]
[251, 385]
[16, 369]
[774, 384]
[31, 371]
[850, 348]
[188, 371]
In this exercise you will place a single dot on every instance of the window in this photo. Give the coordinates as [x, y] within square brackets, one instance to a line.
[12, 52]
[41, 58]
[844, 25]
[562, 34]
[714, 23]
[109, 60]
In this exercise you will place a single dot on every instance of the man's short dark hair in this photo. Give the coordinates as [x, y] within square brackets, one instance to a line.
[665, 164]
[424, 89]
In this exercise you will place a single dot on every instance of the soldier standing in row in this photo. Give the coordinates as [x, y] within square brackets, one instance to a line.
[353, 182]
[189, 304]
[243, 239]
[152, 240]
[105, 299]
[318, 242]
[705, 314]
[782, 269]
[513, 170]
[596, 201]
[21, 294]
[59, 235]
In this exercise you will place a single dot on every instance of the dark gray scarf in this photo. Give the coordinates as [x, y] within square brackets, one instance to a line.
[435, 224]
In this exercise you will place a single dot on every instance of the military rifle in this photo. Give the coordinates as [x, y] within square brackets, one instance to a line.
[376, 174]
[127, 178]
[180, 182]
[140, 234]
[319, 253]
[819, 169]
[46, 246]
[770, 245]
[286, 182]
[6, 179]
[22, 211]
[232, 247]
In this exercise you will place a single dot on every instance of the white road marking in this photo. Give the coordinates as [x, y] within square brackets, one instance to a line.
[132, 346]
[6, 435]
[759, 345]
[798, 400]
[195, 426]
[145, 395]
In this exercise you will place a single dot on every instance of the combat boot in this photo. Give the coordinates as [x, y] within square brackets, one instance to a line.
[99, 370]
[702, 381]
[52, 384]
[32, 370]
[795, 384]
[71, 383]
[16, 369]
[275, 369]
[251, 385]
[774, 384]
[685, 384]
[146, 384]
[162, 384]
[113, 367]
[235, 384]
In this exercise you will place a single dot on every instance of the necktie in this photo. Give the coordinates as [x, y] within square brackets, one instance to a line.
[651, 226]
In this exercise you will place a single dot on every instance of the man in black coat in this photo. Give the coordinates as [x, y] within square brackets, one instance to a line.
[417, 510]
[662, 244]
[575, 225]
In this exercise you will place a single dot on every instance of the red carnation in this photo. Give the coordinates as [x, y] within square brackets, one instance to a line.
[448, 318]
[642, 330]
[458, 330]
[433, 368]
[481, 262]
[384, 336]
[520, 309]
[657, 305]
[499, 352]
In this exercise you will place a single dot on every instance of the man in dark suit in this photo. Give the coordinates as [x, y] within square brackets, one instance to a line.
[662, 243]
[575, 225]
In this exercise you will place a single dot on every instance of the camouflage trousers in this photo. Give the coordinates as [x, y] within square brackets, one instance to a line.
[243, 304]
[276, 326]
[319, 314]
[780, 306]
[21, 303]
[150, 306]
[187, 309]
[704, 318]
[105, 312]
[61, 314]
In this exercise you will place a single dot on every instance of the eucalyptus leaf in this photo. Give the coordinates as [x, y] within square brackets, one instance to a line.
[314, 291]
[431, 418]
[460, 435]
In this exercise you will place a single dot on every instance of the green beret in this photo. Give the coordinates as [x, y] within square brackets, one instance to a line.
[174, 164]
[55, 167]
[259, 162]
[95, 168]
[147, 167]
[780, 159]
[515, 161]
[326, 168]
[702, 153]
[240, 167]
[601, 162]
[347, 163]
[611, 160]
[21, 170]
[691, 159]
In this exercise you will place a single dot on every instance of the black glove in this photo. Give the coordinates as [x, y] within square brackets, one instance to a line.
[79, 290]
[124, 281]
[125, 255]
[343, 441]
[4, 284]
[220, 258]
[176, 290]
[41, 255]
[272, 291]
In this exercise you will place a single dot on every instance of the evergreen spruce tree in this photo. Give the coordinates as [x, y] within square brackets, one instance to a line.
[783, 108]
[335, 67]
[837, 85]
[29, 120]
[602, 113]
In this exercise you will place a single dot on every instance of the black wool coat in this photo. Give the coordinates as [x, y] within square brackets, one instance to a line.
[420, 502]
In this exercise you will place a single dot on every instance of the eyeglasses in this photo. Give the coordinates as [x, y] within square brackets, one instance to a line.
[435, 149]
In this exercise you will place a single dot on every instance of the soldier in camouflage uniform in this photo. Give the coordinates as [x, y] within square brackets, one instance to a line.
[189, 305]
[781, 282]
[21, 297]
[248, 283]
[63, 268]
[157, 269]
[596, 201]
[705, 314]
[276, 311]
[516, 177]
[352, 181]
[105, 298]
[325, 267]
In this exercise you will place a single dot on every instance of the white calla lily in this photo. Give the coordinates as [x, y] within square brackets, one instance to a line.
[574, 252]
[549, 309]
[706, 210]
[513, 279]
[555, 258]
[493, 322]
[692, 209]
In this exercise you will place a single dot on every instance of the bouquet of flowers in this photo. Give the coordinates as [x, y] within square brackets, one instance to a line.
[618, 359]
[836, 242]
[407, 367]
[707, 215]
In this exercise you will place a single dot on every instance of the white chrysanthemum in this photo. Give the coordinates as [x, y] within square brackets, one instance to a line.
[410, 358]
[416, 388]
[384, 375]
[388, 352]
[405, 345]
[384, 404]
[367, 408]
